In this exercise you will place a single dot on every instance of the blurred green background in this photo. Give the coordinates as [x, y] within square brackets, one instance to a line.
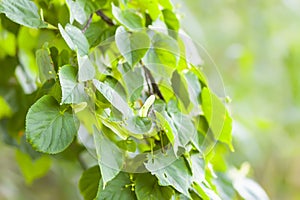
[256, 46]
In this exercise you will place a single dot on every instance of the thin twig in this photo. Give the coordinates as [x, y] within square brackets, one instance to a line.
[87, 25]
[155, 88]
[105, 18]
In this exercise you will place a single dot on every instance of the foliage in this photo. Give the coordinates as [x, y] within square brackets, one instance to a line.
[114, 72]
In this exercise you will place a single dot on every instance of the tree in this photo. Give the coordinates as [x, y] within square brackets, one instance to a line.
[113, 77]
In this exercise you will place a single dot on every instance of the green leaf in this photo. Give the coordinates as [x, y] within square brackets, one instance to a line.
[143, 112]
[249, 189]
[147, 188]
[80, 10]
[180, 88]
[176, 175]
[117, 189]
[133, 46]
[72, 91]
[89, 183]
[184, 127]
[23, 12]
[128, 18]
[133, 88]
[45, 64]
[110, 157]
[197, 166]
[138, 125]
[33, 169]
[49, 129]
[5, 109]
[86, 69]
[217, 116]
[162, 57]
[113, 97]
[166, 4]
[75, 39]
[162, 122]
[170, 20]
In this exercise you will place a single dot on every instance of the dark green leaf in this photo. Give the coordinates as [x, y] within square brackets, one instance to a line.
[48, 128]
[45, 64]
[147, 188]
[89, 183]
[119, 188]
[23, 12]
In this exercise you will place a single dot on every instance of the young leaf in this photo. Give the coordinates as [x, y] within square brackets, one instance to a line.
[170, 20]
[128, 18]
[75, 39]
[150, 190]
[45, 64]
[72, 91]
[49, 129]
[23, 12]
[143, 112]
[217, 116]
[32, 169]
[166, 127]
[89, 183]
[133, 46]
[113, 97]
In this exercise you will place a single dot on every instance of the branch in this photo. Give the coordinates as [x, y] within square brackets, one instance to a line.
[155, 88]
[87, 23]
[105, 18]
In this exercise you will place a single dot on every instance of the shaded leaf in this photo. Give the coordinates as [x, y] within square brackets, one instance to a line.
[147, 188]
[45, 65]
[89, 183]
[118, 188]
[49, 129]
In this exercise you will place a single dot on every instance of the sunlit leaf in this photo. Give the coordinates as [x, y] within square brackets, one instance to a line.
[23, 12]
[128, 18]
[72, 90]
[133, 46]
